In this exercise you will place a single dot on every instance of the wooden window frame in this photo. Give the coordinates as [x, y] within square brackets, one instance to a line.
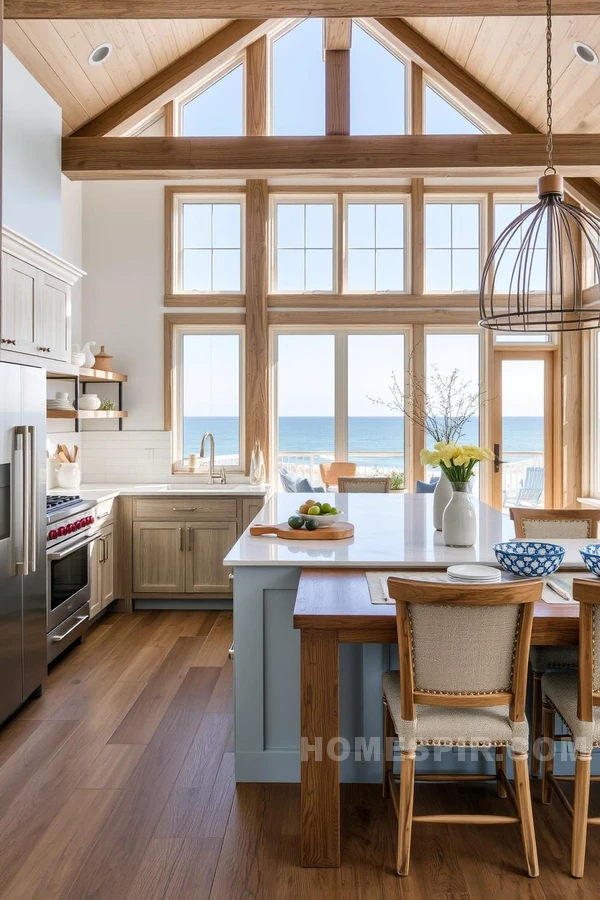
[375, 200]
[175, 196]
[303, 199]
[433, 198]
[176, 327]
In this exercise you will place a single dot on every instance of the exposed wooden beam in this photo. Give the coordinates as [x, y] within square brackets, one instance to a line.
[417, 98]
[471, 155]
[439, 65]
[174, 78]
[337, 91]
[338, 34]
[256, 87]
[257, 326]
[233, 9]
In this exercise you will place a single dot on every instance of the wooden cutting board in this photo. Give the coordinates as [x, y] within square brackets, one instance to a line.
[338, 531]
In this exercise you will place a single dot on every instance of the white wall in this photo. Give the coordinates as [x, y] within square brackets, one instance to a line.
[32, 129]
[123, 225]
[72, 245]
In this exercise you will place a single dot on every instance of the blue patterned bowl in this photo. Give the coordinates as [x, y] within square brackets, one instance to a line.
[591, 557]
[530, 559]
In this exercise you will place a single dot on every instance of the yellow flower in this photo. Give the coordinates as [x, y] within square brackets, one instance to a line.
[430, 458]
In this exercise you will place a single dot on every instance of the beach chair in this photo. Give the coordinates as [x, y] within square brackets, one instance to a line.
[530, 491]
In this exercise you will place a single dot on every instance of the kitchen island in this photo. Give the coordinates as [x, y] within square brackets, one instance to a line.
[393, 532]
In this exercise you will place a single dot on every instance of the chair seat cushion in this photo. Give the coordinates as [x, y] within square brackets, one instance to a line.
[483, 726]
[544, 658]
[560, 688]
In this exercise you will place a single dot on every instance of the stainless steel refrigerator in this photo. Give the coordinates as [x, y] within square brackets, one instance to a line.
[22, 534]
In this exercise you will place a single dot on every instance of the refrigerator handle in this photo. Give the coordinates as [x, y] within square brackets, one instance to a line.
[32, 500]
[18, 505]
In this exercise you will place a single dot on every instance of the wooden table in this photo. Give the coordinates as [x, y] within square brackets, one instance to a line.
[333, 607]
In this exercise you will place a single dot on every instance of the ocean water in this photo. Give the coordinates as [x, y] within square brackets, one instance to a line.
[299, 434]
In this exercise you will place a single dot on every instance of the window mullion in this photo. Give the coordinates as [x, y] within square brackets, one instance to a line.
[341, 396]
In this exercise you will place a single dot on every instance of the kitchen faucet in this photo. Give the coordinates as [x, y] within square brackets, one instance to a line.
[212, 475]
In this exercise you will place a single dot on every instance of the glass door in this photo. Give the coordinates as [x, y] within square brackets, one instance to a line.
[522, 429]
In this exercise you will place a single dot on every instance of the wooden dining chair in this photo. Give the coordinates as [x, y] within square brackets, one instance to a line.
[463, 653]
[330, 472]
[575, 697]
[373, 485]
[551, 524]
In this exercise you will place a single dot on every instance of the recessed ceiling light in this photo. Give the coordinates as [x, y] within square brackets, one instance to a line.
[585, 53]
[100, 53]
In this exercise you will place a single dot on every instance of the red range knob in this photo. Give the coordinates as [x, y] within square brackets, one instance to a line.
[52, 535]
[62, 531]
[69, 529]
[91, 520]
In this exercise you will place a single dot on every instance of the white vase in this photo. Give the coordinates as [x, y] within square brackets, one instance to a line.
[459, 522]
[441, 499]
[68, 475]
[90, 402]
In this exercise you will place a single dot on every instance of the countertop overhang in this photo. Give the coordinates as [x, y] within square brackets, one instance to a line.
[391, 531]
[97, 493]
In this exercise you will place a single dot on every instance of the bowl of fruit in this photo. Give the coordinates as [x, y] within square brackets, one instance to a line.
[319, 513]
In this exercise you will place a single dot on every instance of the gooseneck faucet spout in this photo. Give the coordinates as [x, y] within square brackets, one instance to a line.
[212, 475]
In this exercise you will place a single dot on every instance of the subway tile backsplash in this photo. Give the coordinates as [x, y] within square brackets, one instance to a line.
[126, 456]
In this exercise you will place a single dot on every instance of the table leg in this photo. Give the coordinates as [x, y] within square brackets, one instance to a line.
[319, 767]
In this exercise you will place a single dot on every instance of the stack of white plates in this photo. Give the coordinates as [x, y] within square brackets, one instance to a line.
[59, 404]
[474, 574]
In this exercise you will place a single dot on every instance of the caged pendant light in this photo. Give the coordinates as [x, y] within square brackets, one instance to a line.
[532, 280]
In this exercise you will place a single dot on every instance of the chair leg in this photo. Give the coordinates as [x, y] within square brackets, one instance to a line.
[500, 767]
[548, 743]
[525, 812]
[405, 810]
[580, 813]
[388, 734]
[536, 724]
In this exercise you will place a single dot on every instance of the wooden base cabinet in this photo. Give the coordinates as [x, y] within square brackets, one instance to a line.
[158, 557]
[207, 545]
[102, 572]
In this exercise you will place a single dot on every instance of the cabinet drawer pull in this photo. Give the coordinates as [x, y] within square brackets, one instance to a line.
[189, 539]
[185, 508]
[181, 539]
[8, 341]
[103, 515]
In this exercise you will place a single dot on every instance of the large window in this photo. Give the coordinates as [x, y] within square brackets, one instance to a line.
[208, 396]
[304, 242]
[504, 214]
[375, 246]
[209, 255]
[298, 80]
[335, 401]
[452, 242]
[377, 87]
[217, 109]
[442, 117]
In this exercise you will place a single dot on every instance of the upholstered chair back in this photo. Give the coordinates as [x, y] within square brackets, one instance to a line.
[464, 644]
[364, 485]
[554, 524]
[587, 592]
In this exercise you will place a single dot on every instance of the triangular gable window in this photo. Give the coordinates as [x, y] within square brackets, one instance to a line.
[377, 87]
[218, 110]
[441, 117]
[299, 80]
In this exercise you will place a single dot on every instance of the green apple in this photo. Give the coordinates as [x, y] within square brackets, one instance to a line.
[326, 507]
[314, 511]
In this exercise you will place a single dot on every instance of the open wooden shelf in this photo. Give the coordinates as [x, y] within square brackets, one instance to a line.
[86, 414]
[91, 376]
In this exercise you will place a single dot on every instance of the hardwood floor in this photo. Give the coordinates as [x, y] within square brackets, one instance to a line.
[118, 784]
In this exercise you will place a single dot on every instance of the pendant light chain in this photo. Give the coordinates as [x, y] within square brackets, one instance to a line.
[549, 142]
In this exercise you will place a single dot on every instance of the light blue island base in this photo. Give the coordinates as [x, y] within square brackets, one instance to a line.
[267, 691]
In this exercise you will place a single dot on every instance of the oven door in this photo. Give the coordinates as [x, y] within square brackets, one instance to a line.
[69, 578]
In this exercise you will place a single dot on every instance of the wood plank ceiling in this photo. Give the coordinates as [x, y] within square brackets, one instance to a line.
[56, 53]
[508, 55]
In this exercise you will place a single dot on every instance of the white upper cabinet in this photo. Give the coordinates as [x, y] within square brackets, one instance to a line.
[35, 309]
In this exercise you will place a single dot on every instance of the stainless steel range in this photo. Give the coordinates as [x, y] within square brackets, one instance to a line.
[69, 549]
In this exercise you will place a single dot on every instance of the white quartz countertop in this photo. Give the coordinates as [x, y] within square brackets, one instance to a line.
[96, 493]
[390, 531]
